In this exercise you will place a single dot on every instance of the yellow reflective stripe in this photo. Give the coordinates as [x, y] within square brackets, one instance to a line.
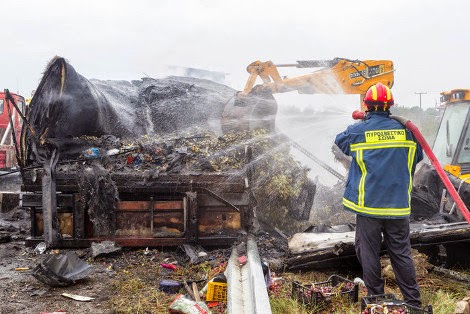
[360, 208]
[380, 211]
[392, 144]
[361, 187]
[389, 94]
[374, 92]
[411, 155]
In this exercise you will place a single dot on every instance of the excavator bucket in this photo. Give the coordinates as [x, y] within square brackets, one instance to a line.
[256, 110]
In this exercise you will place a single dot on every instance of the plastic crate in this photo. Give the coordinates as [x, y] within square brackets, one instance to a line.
[392, 303]
[216, 291]
[314, 296]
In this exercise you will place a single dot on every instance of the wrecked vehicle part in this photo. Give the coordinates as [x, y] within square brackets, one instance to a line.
[98, 202]
[104, 248]
[171, 178]
[60, 270]
[332, 249]
[426, 179]
[169, 210]
[437, 229]
[167, 191]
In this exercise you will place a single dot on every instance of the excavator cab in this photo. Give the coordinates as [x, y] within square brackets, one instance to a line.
[255, 106]
[452, 143]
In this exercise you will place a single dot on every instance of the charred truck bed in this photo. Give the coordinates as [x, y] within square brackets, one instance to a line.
[143, 163]
[168, 210]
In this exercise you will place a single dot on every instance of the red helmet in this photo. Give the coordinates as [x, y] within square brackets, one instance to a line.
[379, 95]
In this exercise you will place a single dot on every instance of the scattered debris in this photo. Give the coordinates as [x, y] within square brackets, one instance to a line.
[21, 268]
[242, 260]
[389, 303]
[5, 237]
[189, 291]
[40, 248]
[196, 292]
[104, 248]
[191, 252]
[169, 286]
[182, 305]
[77, 297]
[60, 270]
[463, 306]
[451, 274]
[216, 291]
[168, 266]
[320, 294]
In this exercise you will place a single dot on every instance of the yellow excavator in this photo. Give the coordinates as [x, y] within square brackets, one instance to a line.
[255, 106]
[452, 143]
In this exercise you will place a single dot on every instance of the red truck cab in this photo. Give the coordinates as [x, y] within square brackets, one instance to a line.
[7, 148]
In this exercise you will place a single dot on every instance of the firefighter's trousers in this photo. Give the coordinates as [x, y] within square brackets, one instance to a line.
[396, 237]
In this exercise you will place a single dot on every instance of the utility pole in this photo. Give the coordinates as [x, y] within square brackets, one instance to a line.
[420, 93]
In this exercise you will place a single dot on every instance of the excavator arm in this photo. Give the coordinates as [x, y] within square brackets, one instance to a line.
[336, 76]
[255, 106]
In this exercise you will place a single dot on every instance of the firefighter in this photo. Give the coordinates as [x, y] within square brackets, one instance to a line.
[384, 156]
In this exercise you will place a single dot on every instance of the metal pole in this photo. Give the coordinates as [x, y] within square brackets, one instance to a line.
[420, 93]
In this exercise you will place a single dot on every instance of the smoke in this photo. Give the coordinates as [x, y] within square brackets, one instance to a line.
[314, 121]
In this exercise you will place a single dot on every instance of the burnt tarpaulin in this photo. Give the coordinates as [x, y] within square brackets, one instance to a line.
[60, 270]
[66, 105]
[67, 108]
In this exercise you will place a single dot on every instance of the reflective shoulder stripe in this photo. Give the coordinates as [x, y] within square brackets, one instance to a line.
[393, 212]
[378, 145]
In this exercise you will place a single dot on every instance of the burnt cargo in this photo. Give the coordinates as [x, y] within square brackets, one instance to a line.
[142, 163]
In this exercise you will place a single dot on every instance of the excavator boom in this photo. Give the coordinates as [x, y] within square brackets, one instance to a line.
[337, 76]
[255, 106]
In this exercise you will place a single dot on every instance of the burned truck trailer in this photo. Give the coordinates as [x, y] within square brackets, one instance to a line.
[142, 163]
[167, 210]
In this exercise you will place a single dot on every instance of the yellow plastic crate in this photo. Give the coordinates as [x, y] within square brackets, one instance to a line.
[216, 291]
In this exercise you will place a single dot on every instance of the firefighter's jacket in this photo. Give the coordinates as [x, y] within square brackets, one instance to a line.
[384, 155]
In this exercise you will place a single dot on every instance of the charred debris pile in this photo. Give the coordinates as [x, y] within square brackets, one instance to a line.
[105, 142]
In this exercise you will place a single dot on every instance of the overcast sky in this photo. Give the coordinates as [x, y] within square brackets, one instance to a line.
[427, 40]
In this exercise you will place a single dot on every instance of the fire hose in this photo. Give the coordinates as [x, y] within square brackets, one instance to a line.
[359, 115]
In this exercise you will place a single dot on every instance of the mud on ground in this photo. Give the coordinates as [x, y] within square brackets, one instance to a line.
[124, 282]
[20, 292]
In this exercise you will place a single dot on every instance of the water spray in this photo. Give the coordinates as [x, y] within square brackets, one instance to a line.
[359, 115]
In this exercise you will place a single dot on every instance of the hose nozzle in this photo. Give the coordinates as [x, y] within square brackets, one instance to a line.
[358, 115]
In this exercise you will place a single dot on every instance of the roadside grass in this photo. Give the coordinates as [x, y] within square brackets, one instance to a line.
[135, 288]
[135, 296]
[442, 302]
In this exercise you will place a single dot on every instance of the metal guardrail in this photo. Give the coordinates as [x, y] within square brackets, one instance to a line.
[246, 287]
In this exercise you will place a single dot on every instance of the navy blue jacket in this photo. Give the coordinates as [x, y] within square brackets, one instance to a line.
[384, 155]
